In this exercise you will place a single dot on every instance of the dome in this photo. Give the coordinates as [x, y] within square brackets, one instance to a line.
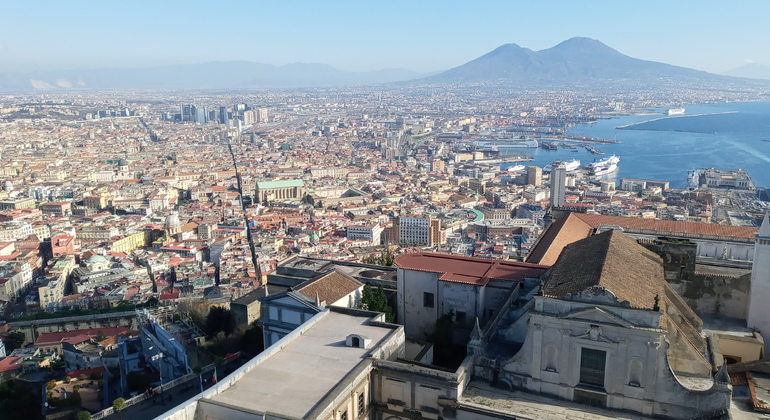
[172, 220]
[122, 162]
[94, 259]
[8, 186]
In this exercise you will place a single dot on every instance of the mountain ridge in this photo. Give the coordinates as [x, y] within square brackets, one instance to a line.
[575, 59]
[207, 75]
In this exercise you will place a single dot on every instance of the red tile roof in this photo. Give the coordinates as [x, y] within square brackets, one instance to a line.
[577, 226]
[57, 337]
[468, 270]
[669, 226]
[10, 363]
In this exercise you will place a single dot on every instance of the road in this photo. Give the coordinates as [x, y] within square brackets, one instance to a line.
[149, 409]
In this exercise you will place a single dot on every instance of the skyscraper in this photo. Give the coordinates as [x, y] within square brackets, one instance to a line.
[534, 176]
[558, 183]
[223, 115]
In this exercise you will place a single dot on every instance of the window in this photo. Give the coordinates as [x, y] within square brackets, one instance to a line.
[344, 415]
[460, 317]
[635, 369]
[361, 404]
[427, 300]
[592, 367]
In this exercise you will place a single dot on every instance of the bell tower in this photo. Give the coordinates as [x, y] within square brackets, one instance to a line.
[759, 308]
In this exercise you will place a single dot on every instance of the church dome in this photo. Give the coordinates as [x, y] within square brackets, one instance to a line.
[172, 220]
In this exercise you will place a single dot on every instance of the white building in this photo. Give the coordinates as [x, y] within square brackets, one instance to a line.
[431, 285]
[609, 331]
[558, 184]
[371, 232]
[15, 279]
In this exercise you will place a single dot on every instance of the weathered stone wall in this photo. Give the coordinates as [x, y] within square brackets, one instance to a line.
[705, 291]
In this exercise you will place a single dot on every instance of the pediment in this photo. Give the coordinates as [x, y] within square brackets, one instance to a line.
[597, 315]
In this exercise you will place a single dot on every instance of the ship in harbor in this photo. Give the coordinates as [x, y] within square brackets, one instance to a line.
[606, 170]
[675, 111]
[599, 164]
[517, 168]
[571, 166]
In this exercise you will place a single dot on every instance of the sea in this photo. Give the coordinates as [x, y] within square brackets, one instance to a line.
[724, 136]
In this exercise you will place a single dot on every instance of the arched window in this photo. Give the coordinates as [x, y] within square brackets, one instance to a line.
[550, 355]
[635, 369]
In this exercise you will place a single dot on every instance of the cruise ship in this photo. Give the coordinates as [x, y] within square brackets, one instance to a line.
[572, 165]
[605, 170]
[675, 111]
[599, 164]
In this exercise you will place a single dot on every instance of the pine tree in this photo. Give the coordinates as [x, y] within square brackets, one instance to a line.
[375, 300]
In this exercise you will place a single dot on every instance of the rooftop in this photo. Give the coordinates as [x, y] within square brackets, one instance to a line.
[291, 382]
[264, 185]
[330, 287]
[468, 270]
[612, 260]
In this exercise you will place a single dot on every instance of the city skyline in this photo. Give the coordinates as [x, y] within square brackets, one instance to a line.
[424, 37]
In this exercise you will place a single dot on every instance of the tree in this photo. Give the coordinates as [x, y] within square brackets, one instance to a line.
[14, 341]
[118, 405]
[100, 336]
[50, 384]
[375, 300]
[138, 381]
[219, 319]
[387, 258]
[67, 379]
[82, 377]
[252, 340]
[83, 415]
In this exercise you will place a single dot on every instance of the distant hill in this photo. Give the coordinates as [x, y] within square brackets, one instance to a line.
[213, 75]
[574, 60]
[751, 71]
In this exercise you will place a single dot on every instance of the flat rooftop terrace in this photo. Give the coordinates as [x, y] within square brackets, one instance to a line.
[294, 380]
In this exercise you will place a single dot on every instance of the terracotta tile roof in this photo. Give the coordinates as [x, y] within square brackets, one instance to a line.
[57, 337]
[612, 260]
[10, 363]
[330, 287]
[77, 339]
[669, 226]
[562, 232]
[468, 270]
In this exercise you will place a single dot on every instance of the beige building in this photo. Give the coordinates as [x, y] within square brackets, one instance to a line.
[292, 189]
[55, 282]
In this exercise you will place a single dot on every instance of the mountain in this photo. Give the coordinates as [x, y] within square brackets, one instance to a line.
[751, 71]
[574, 60]
[212, 75]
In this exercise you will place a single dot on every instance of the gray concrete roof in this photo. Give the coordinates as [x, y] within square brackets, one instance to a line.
[292, 381]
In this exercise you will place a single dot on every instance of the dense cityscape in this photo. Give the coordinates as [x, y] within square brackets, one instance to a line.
[237, 240]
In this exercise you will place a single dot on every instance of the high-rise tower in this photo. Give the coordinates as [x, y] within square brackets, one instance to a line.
[558, 184]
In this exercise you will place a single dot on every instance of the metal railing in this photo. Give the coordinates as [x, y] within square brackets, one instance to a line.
[141, 397]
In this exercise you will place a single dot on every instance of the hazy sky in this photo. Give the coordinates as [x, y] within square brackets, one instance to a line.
[371, 34]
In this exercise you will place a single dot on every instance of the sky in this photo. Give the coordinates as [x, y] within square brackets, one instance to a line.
[363, 35]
